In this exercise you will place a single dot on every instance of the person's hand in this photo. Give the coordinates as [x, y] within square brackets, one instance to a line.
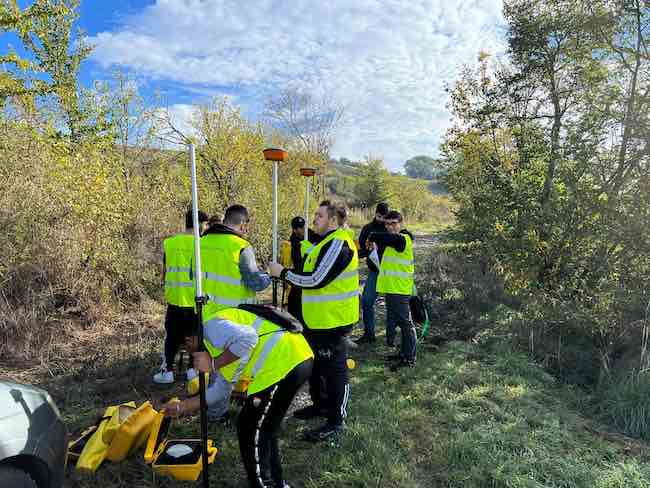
[202, 361]
[173, 409]
[275, 269]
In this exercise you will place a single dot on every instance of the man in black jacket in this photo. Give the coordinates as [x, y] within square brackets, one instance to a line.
[328, 316]
[296, 238]
[369, 296]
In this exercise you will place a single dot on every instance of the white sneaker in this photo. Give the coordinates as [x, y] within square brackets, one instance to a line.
[164, 377]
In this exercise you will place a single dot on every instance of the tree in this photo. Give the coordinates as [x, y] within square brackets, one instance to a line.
[45, 29]
[423, 167]
[372, 186]
[310, 119]
[550, 161]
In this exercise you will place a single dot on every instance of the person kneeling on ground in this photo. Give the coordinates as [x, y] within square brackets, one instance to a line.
[395, 280]
[263, 350]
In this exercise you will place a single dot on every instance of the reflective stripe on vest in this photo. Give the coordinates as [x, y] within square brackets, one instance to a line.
[178, 284]
[396, 270]
[228, 302]
[179, 254]
[220, 267]
[277, 351]
[336, 304]
[306, 247]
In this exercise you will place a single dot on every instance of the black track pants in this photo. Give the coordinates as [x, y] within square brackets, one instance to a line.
[177, 320]
[258, 427]
[329, 385]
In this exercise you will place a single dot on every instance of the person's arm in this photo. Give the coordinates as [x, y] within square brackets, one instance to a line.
[363, 236]
[386, 239]
[252, 277]
[336, 256]
[236, 341]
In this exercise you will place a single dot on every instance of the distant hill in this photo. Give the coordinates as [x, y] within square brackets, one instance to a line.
[342, 173]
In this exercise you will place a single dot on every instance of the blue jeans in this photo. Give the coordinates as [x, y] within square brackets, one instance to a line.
[368, 299]
[218, 396]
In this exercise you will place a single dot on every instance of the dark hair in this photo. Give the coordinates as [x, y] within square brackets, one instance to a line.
[331, 208]
[393, 215]
[382, 209]
[235, 215]
[215, 219]
[297, 222]
[341, 214]
[189, 220]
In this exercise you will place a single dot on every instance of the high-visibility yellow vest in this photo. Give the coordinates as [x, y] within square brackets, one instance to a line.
[222, 281]
[349, 232]
[179, 287]
[277, 352]
[305, 247]
[396, 270]
[336, 304]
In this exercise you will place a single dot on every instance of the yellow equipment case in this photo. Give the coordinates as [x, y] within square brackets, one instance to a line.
[187, 467]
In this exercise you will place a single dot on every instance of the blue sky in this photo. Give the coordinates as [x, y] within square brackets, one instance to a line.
[386, 61]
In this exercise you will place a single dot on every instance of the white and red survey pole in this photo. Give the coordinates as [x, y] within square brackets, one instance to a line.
[275, 155]
[308, 173]
[199, 299]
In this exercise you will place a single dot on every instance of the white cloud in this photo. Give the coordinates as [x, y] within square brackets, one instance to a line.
[386, 60]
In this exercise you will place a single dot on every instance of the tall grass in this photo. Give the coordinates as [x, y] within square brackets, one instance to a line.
[626, 404]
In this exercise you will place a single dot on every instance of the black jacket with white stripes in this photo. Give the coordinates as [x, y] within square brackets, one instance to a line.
[332, 259]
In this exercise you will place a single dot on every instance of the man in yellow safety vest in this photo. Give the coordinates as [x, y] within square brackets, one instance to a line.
[178, 255]
[395, 281]
[261, 349]
[329, 281]
[230, 277]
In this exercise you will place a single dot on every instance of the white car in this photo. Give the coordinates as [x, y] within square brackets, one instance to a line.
[33, 438]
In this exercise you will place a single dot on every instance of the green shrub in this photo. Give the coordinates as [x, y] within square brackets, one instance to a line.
[626, 404]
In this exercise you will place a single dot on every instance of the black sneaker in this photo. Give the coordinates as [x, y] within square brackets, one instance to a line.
[402, 364]
[365, 339]
[309, 412]
[327, 432]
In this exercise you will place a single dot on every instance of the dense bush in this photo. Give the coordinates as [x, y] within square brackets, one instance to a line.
[548, 163]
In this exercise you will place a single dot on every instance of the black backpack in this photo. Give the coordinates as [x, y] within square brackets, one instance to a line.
[274, 314]
[418, 309]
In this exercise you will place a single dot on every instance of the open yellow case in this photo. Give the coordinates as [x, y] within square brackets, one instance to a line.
[187, 467]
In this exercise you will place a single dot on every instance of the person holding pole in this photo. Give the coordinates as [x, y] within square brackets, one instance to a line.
[330, 308]
[231, 277]
[396, 282]
[179, 293]
[261, 348]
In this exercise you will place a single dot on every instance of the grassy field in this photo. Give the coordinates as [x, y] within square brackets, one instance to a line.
[464, 417]
[468, 415]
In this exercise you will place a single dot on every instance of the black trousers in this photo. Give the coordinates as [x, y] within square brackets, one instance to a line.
[329, 382]
[177, 321]
[398, 314]
[259, 424]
